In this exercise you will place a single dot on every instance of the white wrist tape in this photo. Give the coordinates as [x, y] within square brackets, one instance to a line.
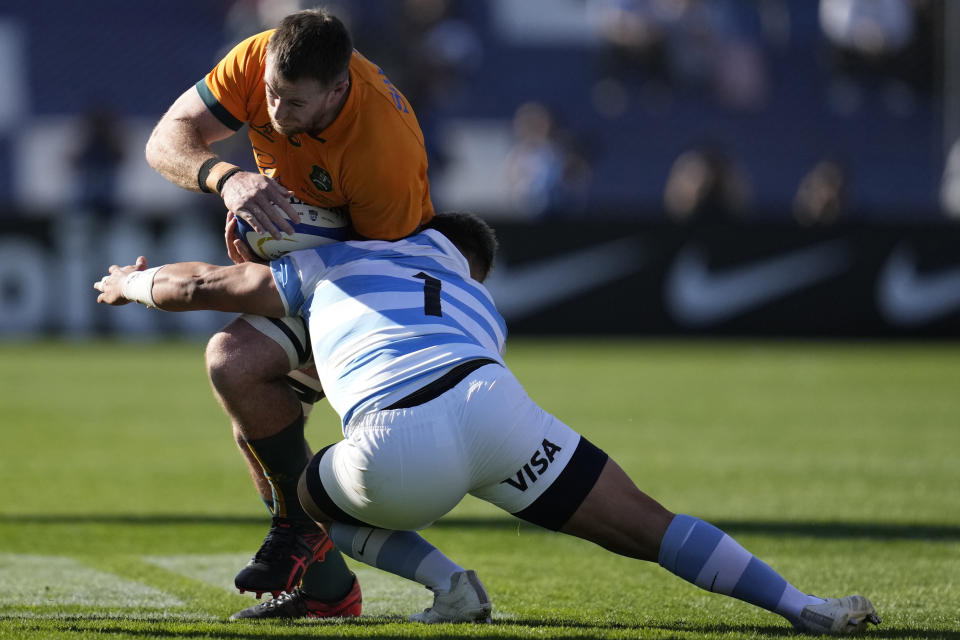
[138, 286]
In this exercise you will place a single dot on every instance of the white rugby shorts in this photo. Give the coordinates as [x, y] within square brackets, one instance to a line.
[405, 468]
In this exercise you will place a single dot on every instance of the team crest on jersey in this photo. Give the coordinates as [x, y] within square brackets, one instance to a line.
[321, 179]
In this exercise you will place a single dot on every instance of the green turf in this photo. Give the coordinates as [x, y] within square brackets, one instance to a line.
[126, 509]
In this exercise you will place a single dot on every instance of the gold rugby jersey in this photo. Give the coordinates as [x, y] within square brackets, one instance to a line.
[370, 161]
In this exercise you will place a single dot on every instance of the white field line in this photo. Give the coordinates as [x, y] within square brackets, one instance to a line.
[28, 580]
[141, 616]
[383, 593]
[38, 580]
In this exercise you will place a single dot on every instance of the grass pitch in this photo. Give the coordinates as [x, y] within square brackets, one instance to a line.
[126, 509]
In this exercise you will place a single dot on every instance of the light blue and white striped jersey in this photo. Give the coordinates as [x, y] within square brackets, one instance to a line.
[387, 318]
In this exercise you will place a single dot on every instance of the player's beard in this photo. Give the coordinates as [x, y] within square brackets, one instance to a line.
[286, 130]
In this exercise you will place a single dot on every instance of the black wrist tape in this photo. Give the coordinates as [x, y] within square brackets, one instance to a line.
[223, 179]
[204, 173]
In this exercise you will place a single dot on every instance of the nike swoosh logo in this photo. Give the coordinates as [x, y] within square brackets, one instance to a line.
[908, 298]
[363, 547]
[526, 289]
[697, 296]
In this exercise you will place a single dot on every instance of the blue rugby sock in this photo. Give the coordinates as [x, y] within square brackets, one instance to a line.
[702, 554]
[402, 553]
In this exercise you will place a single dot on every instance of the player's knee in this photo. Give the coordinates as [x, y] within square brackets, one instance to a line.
[239, 438]
[239, 356]
[221, 360]
[233, 363]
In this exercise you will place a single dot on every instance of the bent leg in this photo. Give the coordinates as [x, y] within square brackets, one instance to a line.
[402, 553]
[459, 595]
[248, 371]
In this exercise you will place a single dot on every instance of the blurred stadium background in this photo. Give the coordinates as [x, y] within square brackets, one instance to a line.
[690, 167]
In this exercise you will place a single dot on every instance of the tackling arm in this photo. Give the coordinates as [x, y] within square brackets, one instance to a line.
[193, 286]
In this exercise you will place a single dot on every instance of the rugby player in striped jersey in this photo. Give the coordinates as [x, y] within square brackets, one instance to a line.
[408, 345]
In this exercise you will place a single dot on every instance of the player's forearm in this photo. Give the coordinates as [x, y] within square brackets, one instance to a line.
[184, 286]
[177, 151]
[192, 286]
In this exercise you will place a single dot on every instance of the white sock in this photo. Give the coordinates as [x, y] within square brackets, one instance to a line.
[793, 601]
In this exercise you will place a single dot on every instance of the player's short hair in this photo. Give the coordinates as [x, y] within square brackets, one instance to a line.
[311, 44]
[474, 238]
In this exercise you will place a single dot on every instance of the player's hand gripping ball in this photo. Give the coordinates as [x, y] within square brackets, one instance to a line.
[316, 227]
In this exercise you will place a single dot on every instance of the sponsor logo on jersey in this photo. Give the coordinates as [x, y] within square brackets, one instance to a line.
[265, 130]
[538, 465]
[321, 179]
[264, 159]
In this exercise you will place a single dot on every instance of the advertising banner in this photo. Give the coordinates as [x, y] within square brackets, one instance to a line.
[555, 278]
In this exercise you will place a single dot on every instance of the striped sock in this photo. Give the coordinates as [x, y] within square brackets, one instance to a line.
[706, 556]
[402, 553]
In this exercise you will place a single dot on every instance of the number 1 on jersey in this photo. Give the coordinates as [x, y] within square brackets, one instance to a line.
[431, 295]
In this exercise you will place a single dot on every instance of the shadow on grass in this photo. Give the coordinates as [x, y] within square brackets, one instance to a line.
[784, 631]
[392, 626]
[729, 629]
[779, 528]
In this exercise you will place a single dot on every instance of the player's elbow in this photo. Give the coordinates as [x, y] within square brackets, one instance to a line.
[162, 147]
[153, 152]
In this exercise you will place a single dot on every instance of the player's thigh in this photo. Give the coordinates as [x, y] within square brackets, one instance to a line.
[287, 342]
[241, 349]
[526, 461]
[399, 469]
[289, 335]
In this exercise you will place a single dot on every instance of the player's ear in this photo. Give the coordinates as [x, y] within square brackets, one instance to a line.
[338, 88]
[477, 272]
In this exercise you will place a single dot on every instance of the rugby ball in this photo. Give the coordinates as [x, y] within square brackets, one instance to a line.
[316, 227]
